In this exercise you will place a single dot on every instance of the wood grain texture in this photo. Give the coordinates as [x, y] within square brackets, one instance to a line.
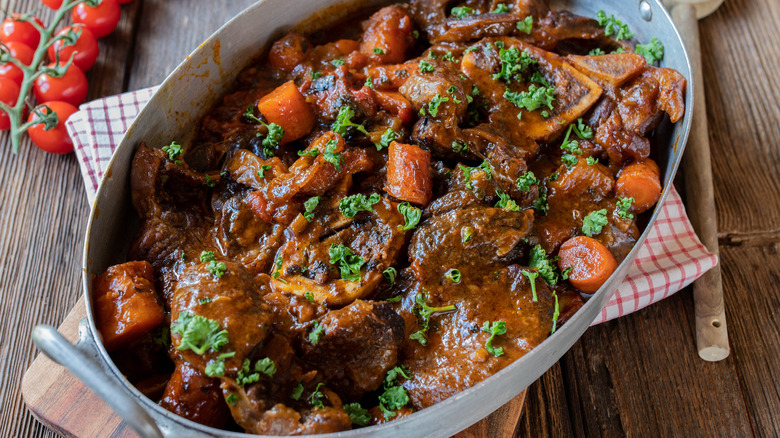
[638, 376]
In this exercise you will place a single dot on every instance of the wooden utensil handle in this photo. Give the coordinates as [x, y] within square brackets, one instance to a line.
[711, 334]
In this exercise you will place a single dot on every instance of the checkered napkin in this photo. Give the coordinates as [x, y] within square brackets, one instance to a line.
[671, 258]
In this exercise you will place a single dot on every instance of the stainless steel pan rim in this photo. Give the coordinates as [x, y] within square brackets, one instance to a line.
[460, 410]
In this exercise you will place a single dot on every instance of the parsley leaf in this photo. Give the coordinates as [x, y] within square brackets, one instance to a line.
[273, 136]
[344, 121]
[266, 366]
[331, 156]
[556, 314]
[466, 234]
[525, 182]
[569, 160]
[388, 137]
[174, 151]
[424, 313]
[210, 182]
[526, 25]
[390, 274]
[613, 26]
[232, 399]
[425, 66]
[448, 56]
[506, 202]
[349, 262]
[198, 333]
[313, 152]
[369, 83]
[309, 296]
[310, 205]
[378, 51]
[433, 107]
[453, 275]
[596, 52]
[544, 266]
[357, 415]
[278, 267]
[411, 215]
[541, 205]
[501, 8]
[532, 276]
[533, 99]
[495, 328]
[623, 207]
[261, 172]
[591, 161]
[244, 377]
[459, 147]
[337, 62]
[316, 397]
[395, 396]
[461, 12]
[653, 51]
[513, 64]
[297, 392]
[352, 205]
[594, 222]
[485, 167]
[316, 333]
[215, 268]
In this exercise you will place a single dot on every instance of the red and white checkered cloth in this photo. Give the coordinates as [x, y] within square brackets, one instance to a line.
[671, 258]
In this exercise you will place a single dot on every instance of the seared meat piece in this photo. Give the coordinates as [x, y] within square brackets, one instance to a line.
[359, 344]
[643, 99]
[232, 300]
[195, 396]
[285, 403]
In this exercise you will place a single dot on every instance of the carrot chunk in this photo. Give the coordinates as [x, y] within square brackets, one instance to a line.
[288, 51]
[409, 175]
[388, 34]
[287, 107]
[591, 263]
[642, 182]
[126, 305]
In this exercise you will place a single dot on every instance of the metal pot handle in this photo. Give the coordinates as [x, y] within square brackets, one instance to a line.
[58, 349]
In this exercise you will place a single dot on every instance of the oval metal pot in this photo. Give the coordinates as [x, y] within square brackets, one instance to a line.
[191, 90]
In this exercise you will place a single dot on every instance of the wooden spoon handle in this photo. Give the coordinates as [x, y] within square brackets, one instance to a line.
[711, 334]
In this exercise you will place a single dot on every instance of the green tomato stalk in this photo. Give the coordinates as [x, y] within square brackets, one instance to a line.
[34, 70]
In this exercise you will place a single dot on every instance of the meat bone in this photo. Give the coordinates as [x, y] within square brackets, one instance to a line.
[711, 334]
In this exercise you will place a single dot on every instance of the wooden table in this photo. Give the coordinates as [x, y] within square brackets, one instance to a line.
[639, 375]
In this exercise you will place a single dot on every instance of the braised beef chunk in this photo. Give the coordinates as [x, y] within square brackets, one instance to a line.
[358, 345]
[384, 213]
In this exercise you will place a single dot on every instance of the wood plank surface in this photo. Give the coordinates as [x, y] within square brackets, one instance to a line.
[637, 376]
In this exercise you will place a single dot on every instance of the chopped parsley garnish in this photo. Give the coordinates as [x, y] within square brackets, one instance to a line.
[623, 207]
[198, 333]
[316, 332]
[203, 301]
[448, 56]
[526, 25]
[309, 296]
[316, 397]
[532, 275]
[313, 152]
[245, 377]
[495, 328]
[216, 368]
[316, 75]
[591, 161]
[266, 366]
[337, 62]
[425, 66]
[594, 222]
[653, 51]
[331, 156]
[297, 392]
[513, 64]
[556, 314]
[613, 26]
[210, 182]
[369, 83]
[378, 51]
[466, 234]
[433, 107]
[569, 160]
[596, 52]
[344, 121]
[431, 55]
[232, 399]
[506, 202]
[388, 137]
[272, 137]
[390, 274]
[357, 415]
[541, 205]
[310, 205]
[533, 99]
[461, 12]
[424, 312]
[395, 299]
[453, 275]
[582, 130]
[411, 215]
[544, 266]
[261, 172]
[501, 8]
[459, 147]
[525, 182]
[215, 268]
[174, 151]
[539, 79]
[485, 167]
[395, 396]
[352, 205]
[349, 262]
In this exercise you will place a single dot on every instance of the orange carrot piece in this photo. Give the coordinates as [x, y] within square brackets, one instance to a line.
[345, 47]
[642, 182]
[287, 107]
[126, 304]
[591, 263]
[388, 34]
[409, 175]
[288, 51]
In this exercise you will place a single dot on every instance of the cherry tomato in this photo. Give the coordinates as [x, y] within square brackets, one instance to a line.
[71, 87]
[23, 54]
[52, 4]
[13, 29]
[101, 20]
[86, 48]
[55, 140]
[9, 93]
